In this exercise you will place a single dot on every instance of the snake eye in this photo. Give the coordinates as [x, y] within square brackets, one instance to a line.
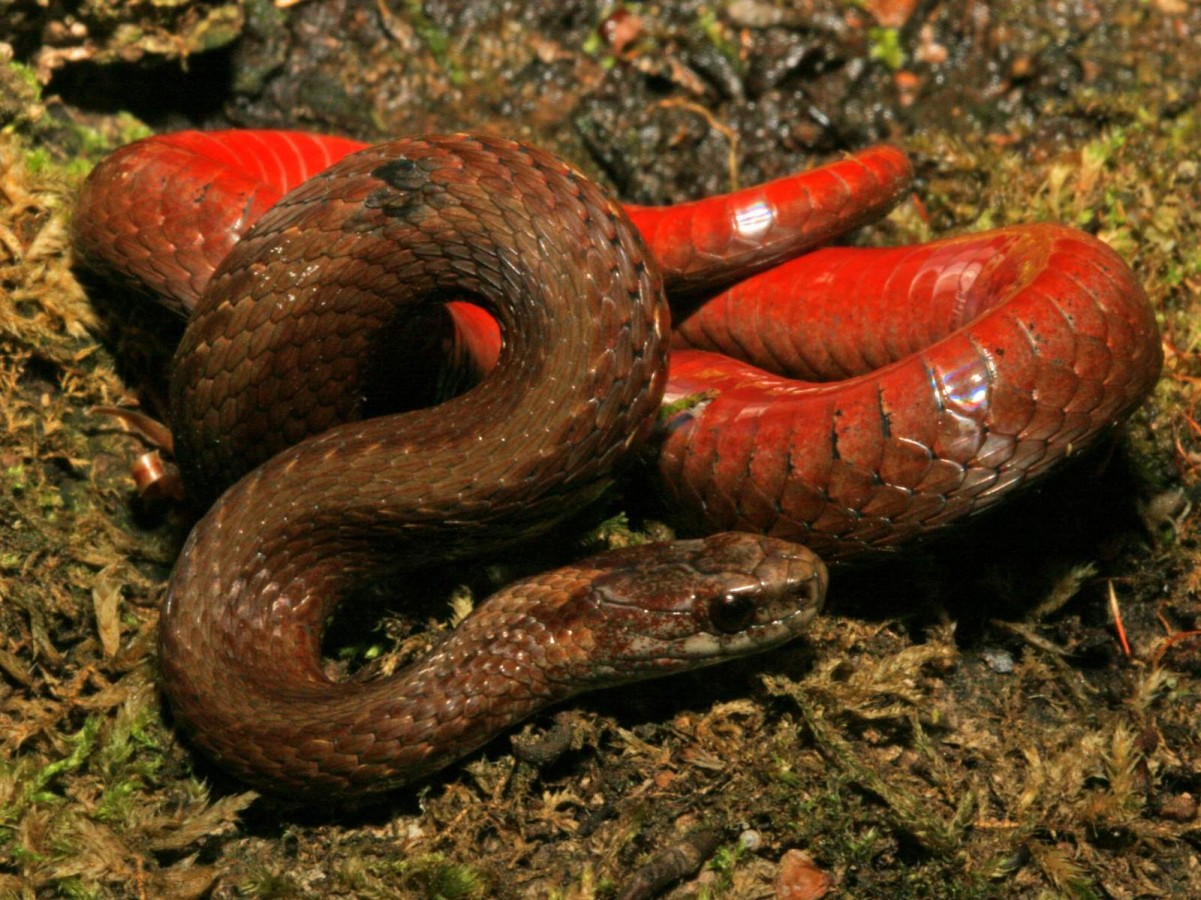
[731, 613]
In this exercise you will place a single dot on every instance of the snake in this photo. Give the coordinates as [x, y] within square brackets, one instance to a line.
[848, 398]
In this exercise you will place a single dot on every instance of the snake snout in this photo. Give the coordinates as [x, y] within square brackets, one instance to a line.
[793, 576]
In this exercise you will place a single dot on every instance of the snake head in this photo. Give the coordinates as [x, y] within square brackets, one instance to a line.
[661, 608]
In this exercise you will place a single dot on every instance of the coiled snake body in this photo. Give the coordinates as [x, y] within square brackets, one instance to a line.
[1035, 340]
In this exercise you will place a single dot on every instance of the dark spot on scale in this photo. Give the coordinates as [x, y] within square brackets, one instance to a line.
[389, 202]
[408, 188]
[402, 174]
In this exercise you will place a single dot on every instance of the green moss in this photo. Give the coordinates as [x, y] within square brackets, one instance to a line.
[886, 47]
[687, 402]
[28, 75]
[437, 41]
[718, 35]
[725, 860]
[438, 877]
[15, 475]
[38, 160]
[34, 785]
[268, 884]
[426, 875]
[77, 889]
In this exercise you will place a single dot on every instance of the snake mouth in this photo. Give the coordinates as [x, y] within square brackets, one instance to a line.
[756, 640]
[781, 617]
[706, 649]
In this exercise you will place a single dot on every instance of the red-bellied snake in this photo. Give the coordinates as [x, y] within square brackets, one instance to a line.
[912, 386]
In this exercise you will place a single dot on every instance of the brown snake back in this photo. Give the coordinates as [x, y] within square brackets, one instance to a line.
[576, 390]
